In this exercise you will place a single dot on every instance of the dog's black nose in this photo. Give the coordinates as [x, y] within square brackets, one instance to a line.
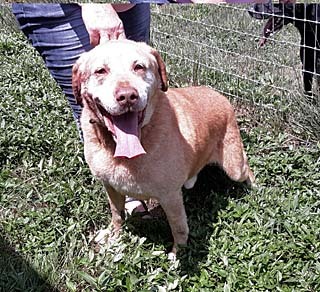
[126, 96]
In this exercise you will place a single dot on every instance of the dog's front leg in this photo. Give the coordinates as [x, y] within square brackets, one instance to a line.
[116, 201]
[177, 218]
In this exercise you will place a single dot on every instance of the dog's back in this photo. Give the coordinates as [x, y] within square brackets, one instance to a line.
[207, 123]
[202, 113]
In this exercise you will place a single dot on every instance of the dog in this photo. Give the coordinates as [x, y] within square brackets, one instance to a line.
[305, 18]
[144, 140]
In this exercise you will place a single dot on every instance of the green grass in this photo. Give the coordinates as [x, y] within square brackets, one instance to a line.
[266, 239]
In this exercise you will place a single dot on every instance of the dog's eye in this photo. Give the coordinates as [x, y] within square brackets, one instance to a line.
[139, 67]
[101, 71]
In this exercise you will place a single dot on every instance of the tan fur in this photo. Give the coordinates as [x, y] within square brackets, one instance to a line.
[184, 130]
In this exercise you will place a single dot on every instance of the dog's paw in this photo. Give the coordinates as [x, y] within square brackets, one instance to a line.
[172, 256]
[106, 236]
[101, 237]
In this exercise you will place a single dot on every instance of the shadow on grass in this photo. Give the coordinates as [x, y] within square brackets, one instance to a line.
[210, 195]
[16, 274]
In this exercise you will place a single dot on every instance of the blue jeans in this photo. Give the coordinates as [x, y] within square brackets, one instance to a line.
[58, 33]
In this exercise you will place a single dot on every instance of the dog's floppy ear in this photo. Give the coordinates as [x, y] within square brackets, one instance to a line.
[76, 81]
[162, 70]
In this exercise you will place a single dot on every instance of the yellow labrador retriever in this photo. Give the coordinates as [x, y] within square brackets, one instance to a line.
[144, 140]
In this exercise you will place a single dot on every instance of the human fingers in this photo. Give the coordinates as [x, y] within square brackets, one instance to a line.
[104, 37]
[122, 35]
[94, 38]
[112, 35]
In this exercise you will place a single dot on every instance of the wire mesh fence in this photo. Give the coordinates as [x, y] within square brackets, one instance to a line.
[222, 46]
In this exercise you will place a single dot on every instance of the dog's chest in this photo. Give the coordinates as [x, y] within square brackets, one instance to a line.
[127, 180]
[125, 176]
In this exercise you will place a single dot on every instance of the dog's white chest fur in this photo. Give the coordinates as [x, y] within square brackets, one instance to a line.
[123, 176]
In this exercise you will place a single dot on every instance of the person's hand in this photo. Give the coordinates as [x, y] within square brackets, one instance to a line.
[102, 23]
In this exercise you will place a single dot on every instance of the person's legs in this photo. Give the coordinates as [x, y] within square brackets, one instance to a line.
[136, 22]
[57, 32]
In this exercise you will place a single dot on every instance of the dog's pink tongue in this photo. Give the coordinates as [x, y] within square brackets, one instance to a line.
[126, 132]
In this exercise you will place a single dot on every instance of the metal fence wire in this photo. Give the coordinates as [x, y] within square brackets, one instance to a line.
[249, 52]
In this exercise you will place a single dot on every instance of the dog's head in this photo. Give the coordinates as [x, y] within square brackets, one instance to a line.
[117, 81]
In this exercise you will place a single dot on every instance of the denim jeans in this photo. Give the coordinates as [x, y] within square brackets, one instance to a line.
[58, 33]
